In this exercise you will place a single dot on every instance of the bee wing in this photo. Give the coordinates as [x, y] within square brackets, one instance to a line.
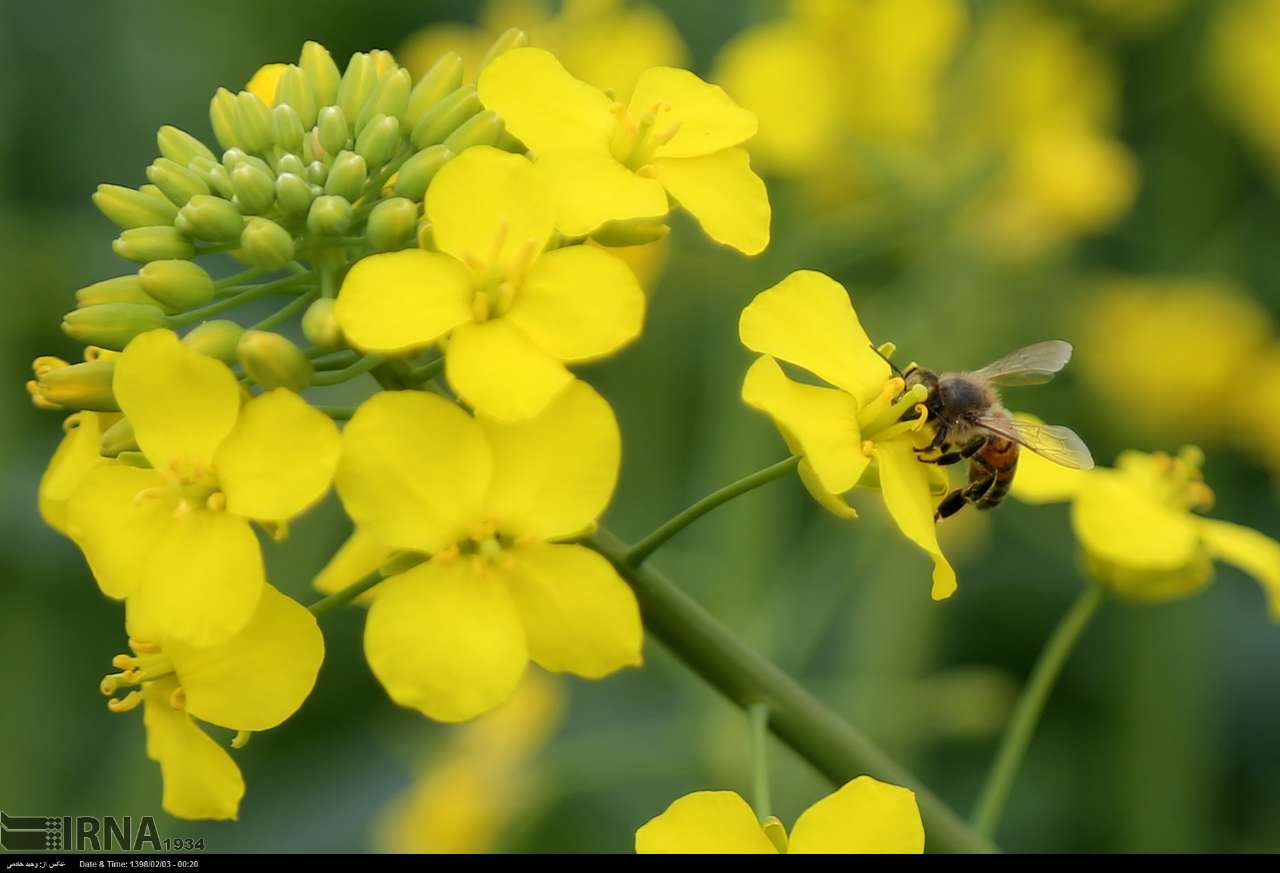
[1057, 444]
[1033, 365]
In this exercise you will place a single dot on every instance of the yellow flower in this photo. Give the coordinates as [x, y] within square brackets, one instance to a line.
[488, 501]
[468, 794]
[513, 312]
[175, 538]
[1136, 526]
[250, 682]
[609, 162]
[76, 455]
[263, 82]
[807, 320]
[1245, 69]
[865, 816]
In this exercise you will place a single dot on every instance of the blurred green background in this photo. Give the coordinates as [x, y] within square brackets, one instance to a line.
[1152, 246]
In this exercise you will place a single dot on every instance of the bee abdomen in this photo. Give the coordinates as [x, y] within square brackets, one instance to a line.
[1000, 459]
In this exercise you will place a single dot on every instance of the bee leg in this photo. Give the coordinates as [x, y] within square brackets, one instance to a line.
[939, 437]
[945, 460]
[951, 504]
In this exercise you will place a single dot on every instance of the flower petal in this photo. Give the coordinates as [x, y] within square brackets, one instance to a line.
[76, 455]
[202, 579]
[1255, 553]
[200, 779]
[579, 303]
[542, 105]
[819, 423]
[553, 474]
[704, 823]
[359, 556]
[413, 470]
[263, 83]
[182, 404]
[115, 531]
[259, 677]
[904, 482]
[1119, 521]
[807, 320]
[399, 301]
[279, 459]
[490, 206]
[865, 816]
[723, 194]
[591, 188]
[578, 614]
[446, 640]
[832, 503]
[706, 118]
[500, 373]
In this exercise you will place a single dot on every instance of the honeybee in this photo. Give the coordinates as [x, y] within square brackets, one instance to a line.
[972, 424]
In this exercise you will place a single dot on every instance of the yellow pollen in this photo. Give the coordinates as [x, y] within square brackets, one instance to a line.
[142, 647]
[241, 739]
[109, 685]
[126, 703]
[868, 448]
[47, 363]
[217, 502]
[123, 662]
[923, 414]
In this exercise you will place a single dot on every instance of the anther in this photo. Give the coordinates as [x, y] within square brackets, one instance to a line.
[142, 647]
[149, 494]
[178, 699]
[241, 739]
[124, 662]
[70, 423]
[216, 502]
[126, 703]
[868, 448]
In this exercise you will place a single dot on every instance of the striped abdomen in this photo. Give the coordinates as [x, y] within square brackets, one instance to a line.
[999, 461]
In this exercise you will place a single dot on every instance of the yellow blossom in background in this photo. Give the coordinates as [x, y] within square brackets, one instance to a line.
[77, 454]
[489, 502]
[468, 792]
[1257, 410]
[865, 816]
[250, 682]
[607, 43]
[1136, 526]
[1135, 17]
[174, 538]
[513, 312]
[1244, 69]
[606, 161]
[807, 320]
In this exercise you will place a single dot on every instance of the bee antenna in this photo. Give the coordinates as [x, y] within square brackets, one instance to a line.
[892, 366]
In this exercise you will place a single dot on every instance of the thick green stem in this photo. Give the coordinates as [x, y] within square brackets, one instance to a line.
[796, 717]
[645, 547]
[359, 368]
[287, 311]
[758, 715]
[248, 295]
[1026, 715]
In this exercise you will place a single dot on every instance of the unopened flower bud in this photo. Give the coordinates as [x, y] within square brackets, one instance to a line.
[273, 361]
[295, 91]
[332, 129]
[121, 289]
[216, 339]
[127, 208]
[255, 122]
[177, 182]
[79, 386]
[210, 218]
[357, 84]
[286, 128]
[224, 116]
[321, 72]
[512, 38]
[444, 77]
[177, 285]
[347, 176]
[392, 224]
[484, 128]
[143, 244]
[329, 216]
[255, 189]
[118, 438]
[320, 326]
[112, 325]
[290, 164]
[445, 117]
[215, 176]
[180, 146]
[317, 172]
[379, 140]
[631, 232]
[293, 194]
[417, 172]
[266, 244]
[390, 99]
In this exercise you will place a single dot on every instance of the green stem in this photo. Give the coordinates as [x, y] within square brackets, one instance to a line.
[335, 361]
[346, 595]
[645, 547]
[796, 717]
[758, 715]
[248, 295]
[1026, 715]
[237, 278]
[287, 311]
[427, 372]
[346, 374]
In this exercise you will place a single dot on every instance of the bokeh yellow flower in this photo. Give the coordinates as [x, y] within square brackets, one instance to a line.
[807, 320]
[174, 538]
[488, 502]
[1244, 69]
[865, 816]
[250, 682]
[513, 312]
[77, 454]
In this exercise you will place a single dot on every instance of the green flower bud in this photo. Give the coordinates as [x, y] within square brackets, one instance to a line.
[392, 224]
[290, 164]
[127, 208]
[224, 115]
[286, 128]
[294, 90]
[216, 339]
[233, 157]
[357, 84]
[317, 173]
[118, 438]
[332, 129]
[112, 325]
[631, 231]
[483, 128]
[417, 172]
[255, 189]
[177, 285]
[255, 122]
[293, 194]
[445, 117]
[180, 146]
[321, 72]
[210, 218]
[320, 326]
[512, 38]
[266, 244]
[273, 361]
[329, 216]
[509, 143]
[379, 140]
[121, 289]
[444, 77]
[177, 182]
[391, 98]
[143, 244]
[79, 386]
[347, 176]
